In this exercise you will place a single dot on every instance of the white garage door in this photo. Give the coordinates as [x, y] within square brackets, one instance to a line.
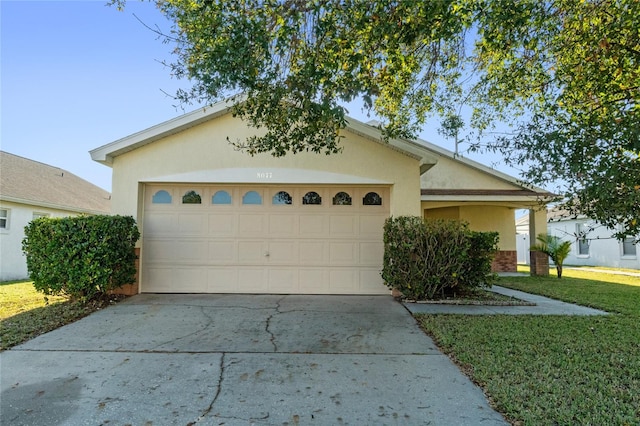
[263, 239]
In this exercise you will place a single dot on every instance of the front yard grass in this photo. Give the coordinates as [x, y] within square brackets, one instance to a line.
[24, 313]
[540, 370]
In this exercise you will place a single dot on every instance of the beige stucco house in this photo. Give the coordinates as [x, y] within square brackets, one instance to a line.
[30, 189]
[217, 220]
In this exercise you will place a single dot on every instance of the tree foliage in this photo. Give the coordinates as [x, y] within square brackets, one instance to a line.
[574, 68]
[565, 74]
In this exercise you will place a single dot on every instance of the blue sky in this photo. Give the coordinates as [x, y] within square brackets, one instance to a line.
[76, 75]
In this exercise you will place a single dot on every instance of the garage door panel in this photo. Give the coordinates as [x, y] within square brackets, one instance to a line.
[190, 280]
[371, 282]
[343, 226]
[222, 225]
[283, 252]
[177, 280]
[313, 252]
[283, 280]
[252, 280]
[191, 251]
[158, 250]
[372, 226]
[313, 225]
[251, 225]
[160, 223]
[222, 280]
[312, 280]
[283, 225]
[192, 224]
[223, 252]
[344, 281]
[371, 253]
[160, 279]
[343, 253]
[251, 252]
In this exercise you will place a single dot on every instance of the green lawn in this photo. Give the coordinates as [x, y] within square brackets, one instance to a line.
[24, 313]
[556, 370]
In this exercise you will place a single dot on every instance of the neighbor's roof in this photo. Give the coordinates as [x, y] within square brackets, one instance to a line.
[31, 182]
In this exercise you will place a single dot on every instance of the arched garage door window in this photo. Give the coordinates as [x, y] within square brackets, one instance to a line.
[312, 198]
[191, 197]
[372, 199]
[221, 197]
[252, 197]
[282, 197]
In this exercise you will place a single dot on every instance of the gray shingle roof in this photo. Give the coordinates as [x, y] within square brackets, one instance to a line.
[31, 182]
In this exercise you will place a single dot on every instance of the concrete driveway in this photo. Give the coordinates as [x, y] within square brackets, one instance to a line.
[239, 360]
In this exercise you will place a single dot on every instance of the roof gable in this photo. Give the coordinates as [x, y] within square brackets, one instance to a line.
[440, 168]
[31, 182]
[106, 153]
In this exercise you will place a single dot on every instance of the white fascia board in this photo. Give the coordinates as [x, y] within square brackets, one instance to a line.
[488, 198]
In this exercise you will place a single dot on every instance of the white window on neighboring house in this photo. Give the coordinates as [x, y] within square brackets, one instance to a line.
[583, 242]
[4, 218]
[629, 247]
[38, 215]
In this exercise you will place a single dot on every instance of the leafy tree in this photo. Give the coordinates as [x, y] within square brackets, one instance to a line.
[555, 248]
[564, 74]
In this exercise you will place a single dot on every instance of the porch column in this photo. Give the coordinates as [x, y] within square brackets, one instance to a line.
[539, 262]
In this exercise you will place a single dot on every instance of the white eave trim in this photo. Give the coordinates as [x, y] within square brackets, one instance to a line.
[487, 198]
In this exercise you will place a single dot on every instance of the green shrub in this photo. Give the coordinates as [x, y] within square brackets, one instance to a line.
[82, 257]
[423, 259]
[477, 271]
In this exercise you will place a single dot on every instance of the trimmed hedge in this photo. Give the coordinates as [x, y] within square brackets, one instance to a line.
[82, 257]
[423, 259]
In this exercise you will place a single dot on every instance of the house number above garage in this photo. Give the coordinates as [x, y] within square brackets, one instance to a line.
[265, 175]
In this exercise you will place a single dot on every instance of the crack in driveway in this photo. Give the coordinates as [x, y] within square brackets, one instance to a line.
[205, 326]
[272, 336]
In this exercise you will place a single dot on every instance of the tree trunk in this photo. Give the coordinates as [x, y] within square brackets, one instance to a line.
[559, 268]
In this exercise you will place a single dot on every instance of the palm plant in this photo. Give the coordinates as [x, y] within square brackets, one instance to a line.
[555, 248]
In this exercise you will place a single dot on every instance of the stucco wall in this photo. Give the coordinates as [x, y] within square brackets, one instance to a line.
[198, 151]
[13, 264]
[449, 213]
[480, 218]
[450, 174]
[492, 218]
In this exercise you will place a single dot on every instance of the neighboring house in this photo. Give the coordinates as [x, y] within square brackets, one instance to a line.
[592, 244]
[28, 190]
[523, 241]
[217, 220]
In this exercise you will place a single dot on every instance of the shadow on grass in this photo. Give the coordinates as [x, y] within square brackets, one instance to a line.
[26, 325]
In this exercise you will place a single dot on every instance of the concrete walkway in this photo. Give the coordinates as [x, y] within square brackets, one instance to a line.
[543, 306]
[239, 360]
